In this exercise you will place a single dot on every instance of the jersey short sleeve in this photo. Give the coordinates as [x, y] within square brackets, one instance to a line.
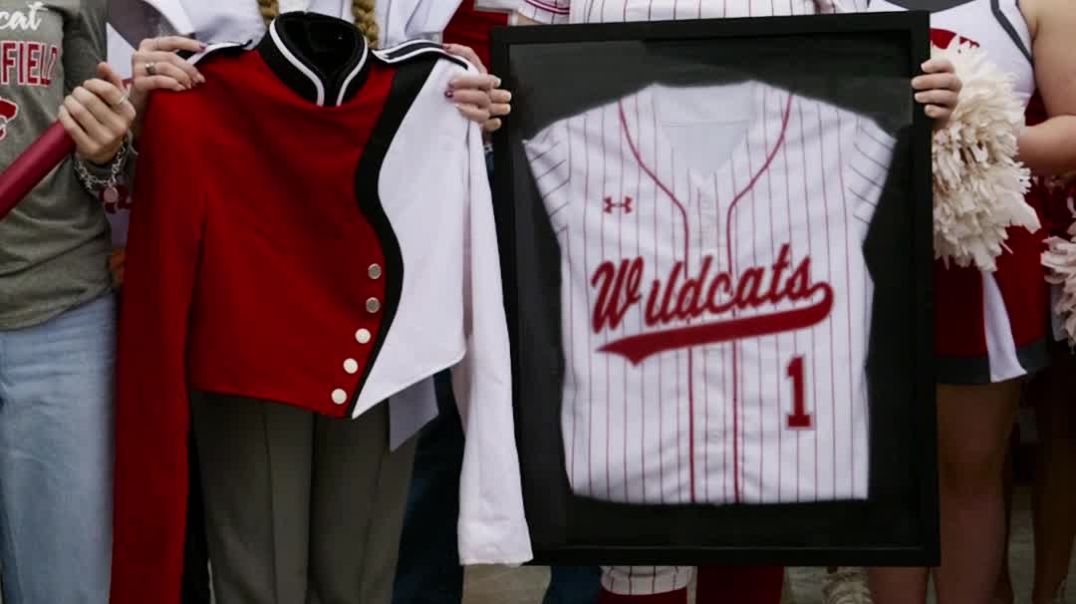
[549, 155]
[545, 11]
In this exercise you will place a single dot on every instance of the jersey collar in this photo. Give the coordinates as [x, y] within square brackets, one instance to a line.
[310, 81]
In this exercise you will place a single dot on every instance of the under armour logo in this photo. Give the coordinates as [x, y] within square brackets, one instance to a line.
[625, 206]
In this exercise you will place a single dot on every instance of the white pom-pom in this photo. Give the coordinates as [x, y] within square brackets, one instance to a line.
[979, 185]
[1060, 262]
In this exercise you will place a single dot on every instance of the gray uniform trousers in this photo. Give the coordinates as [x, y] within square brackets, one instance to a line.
[300, 508]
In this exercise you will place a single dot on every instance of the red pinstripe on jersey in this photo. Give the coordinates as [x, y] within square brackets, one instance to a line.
[749, 187]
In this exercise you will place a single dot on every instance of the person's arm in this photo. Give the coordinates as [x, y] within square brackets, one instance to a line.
[95, 113]
[84, 43]
[1050, 147]
[492, 523]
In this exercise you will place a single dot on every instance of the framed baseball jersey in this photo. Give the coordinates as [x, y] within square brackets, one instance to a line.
[717, 246]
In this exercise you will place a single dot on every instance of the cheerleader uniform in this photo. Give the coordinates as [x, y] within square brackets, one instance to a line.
[989, 327]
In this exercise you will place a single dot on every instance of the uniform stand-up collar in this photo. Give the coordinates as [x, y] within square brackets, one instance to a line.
[286, 55]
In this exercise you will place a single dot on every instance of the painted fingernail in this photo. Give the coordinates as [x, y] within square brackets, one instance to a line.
[449, 94]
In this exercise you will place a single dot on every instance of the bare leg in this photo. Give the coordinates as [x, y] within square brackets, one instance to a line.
[1054, 494]
[974, 423]
[1003, 592]
[898, 585]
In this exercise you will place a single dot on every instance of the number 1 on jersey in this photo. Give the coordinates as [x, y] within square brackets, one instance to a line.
[799, 418]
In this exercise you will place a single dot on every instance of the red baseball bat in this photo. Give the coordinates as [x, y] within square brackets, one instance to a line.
[32, 165]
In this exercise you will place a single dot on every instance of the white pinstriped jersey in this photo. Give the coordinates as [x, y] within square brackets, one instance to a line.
[715, 298]
[614, 11]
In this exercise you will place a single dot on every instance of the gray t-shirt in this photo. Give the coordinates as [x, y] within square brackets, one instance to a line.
[54, 245]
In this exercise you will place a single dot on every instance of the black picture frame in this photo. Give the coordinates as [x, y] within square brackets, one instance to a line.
[898, 524]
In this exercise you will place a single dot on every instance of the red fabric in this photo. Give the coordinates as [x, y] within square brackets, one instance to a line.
[32, 165]
[718, 585]
[223, 186]
[471, 27]
[942, 37]
[1022, 281]
[673, 597]
[958, 292]
[959, 320]
[736, 584]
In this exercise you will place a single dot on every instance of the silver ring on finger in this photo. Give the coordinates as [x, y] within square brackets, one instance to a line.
[151, 69]
[123, 99]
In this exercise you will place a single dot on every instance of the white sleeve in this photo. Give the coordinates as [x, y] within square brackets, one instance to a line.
[404, 20]
[549, 156]
[546, 11]
[492, 525]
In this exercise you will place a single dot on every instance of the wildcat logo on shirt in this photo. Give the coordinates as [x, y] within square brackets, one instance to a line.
[25, 62]
[8, 111]
[29, 20]
[700, 309]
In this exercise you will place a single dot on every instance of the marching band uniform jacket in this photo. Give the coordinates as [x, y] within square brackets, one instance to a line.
[240, 22]
[322, 240]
